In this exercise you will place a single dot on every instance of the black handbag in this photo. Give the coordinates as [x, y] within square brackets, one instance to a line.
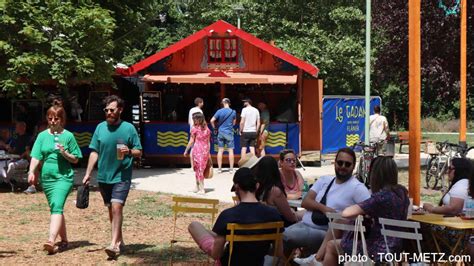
[318, 217]
[82, 200]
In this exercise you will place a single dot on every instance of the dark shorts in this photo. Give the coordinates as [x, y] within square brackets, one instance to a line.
[248, 139]
[225, 140]
[117, 192]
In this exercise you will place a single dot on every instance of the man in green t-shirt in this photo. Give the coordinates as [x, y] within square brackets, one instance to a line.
[263, 130]
[114, 144]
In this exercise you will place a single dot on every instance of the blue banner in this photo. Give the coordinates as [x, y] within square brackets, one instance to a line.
[162, 138]
[83, 134]
[343, 121]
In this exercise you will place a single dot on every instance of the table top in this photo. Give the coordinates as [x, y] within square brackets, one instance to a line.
[438, 219]
[9, 156]
[296, 203]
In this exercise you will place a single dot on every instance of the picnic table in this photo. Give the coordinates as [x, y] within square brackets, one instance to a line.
[456, 223]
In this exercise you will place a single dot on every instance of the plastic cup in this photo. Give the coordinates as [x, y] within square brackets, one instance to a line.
[120, 154]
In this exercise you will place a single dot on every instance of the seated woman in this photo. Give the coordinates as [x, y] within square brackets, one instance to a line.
[271, 190]
[290, 177]
[452, 202]
[389, 200]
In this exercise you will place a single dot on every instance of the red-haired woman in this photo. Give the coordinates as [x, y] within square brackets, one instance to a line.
[57, 149]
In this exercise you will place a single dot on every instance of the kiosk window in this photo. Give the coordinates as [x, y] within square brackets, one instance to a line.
[222, 50]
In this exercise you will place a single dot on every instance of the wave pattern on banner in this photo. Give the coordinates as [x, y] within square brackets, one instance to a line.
[173, 139]
[83, 138]
[352, 139]
[276, 139]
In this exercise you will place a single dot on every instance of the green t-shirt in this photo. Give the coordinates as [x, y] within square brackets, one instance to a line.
[54, 163]
[104, 142]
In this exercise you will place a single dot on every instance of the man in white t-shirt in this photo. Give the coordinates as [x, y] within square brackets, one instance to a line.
[199, 103]
[344, 190]
[378, 126]
[249, 123]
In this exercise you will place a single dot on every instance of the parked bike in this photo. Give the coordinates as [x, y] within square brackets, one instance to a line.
[367, 154]
[439, 163]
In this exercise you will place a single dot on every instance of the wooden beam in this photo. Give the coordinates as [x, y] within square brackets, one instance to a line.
[414, 65]
[463, 81]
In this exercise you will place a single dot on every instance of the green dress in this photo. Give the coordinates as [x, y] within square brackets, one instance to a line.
[57, 173]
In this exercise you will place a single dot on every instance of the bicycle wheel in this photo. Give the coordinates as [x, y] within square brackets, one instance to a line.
[432, 170]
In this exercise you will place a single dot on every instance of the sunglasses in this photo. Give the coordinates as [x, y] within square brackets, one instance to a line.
[343, 164]
[53, 119]
[112, 110]
[289, 160]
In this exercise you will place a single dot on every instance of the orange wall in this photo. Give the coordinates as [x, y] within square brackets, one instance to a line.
[254, 62]
[311, 109]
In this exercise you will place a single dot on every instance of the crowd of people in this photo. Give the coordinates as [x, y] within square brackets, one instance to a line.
[263, 184]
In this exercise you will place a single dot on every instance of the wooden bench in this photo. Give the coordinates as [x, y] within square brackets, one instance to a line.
[403, 137]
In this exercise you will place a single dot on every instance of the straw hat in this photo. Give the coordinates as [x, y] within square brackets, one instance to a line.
[248, 160]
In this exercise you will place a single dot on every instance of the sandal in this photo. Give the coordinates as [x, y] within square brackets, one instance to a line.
[63, 246]
[50, 248]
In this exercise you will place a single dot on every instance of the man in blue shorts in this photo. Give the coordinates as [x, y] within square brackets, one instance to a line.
[114, 144]
[225, 118]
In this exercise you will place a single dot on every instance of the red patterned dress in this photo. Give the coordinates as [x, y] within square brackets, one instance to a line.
[200, 150]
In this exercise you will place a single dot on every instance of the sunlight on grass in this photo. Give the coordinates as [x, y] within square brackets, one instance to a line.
[150, 206]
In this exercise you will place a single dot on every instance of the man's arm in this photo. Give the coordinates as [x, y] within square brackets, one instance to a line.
[242, 123]
[93, 156]
[310, 203]
[213, 122]
[258, 124]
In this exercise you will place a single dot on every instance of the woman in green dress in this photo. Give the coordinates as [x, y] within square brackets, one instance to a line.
[57, 149]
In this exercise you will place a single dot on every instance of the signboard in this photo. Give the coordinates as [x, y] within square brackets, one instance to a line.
[151, 106]
[172, 138]
[96, 106]
[344, 121]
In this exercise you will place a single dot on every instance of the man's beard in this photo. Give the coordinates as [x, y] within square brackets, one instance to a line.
[343, 177]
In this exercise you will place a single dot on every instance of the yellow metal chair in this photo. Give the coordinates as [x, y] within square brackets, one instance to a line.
[276, 236]
[236, 200]
[192, 205]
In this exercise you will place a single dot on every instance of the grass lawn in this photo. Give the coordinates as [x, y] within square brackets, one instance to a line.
[452, 138]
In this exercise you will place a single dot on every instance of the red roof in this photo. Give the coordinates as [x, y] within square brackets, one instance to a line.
[219, 26]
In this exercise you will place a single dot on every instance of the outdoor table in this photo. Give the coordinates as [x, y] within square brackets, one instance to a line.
[8, 156]
[295, 203]
[456, 223]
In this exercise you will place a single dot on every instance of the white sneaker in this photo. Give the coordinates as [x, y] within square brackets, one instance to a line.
[231, 171]
[220, 171]
[30, 190]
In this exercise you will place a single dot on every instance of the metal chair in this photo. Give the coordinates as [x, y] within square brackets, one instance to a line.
[236, 200]
[336, 222]
[276, 236]
[402, 234]
[192, 205]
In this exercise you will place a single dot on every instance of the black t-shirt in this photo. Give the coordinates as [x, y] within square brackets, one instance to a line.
[19, 143]
[246, 253]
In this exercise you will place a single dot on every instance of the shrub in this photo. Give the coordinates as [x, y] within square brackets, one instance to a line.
[430, 124]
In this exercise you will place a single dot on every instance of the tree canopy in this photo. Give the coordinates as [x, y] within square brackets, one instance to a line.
[63, 40]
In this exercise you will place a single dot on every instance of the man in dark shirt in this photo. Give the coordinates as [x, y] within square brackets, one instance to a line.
[248, 211]
[20, 145]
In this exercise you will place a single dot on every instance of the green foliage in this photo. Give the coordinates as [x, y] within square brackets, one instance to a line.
[53, 40]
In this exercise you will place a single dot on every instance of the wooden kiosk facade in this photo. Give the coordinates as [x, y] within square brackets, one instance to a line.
[224, 61]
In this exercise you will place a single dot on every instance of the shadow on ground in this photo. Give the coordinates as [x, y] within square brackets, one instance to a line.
[165, 255]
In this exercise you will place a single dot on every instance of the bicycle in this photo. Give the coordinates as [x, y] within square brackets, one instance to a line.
[439, 163]
[368, 153]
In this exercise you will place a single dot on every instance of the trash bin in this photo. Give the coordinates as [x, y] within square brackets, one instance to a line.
[389, 148]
